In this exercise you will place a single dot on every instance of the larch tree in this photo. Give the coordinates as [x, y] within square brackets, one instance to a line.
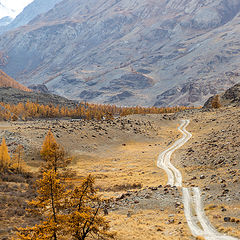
[49, 204]
[18, 162]
[86, 215]
[4, 156]
[53, 153]
[47, 143]
[216, 102]
[67, 214]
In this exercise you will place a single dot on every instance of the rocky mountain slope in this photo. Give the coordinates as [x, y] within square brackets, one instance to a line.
[15, 96]
[6, 81]
[5, 21]
[231, 97]
[159, 52]
[30, 12]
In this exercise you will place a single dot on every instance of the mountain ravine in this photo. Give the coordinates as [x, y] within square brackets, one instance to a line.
[128, 52]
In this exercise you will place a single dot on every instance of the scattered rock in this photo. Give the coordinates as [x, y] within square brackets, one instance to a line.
[227, 219]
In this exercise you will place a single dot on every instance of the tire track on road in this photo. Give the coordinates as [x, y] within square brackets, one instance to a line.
[174, 175]
[193, 208]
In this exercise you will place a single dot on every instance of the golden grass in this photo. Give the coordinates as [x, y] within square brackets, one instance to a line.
[200, 238]
[147, 224]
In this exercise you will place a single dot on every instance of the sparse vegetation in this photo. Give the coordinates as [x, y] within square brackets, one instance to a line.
[113, 174]
[5, 80]
[16, 164]
[124, 187]
[67, 214]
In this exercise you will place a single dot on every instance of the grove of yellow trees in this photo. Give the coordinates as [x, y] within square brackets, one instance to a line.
[85, 111]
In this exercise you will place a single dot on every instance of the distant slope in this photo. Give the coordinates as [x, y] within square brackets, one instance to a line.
[128, 52]
[14, 96]
[231, 97]
[5, 21]
[30, 12]
[6, 81]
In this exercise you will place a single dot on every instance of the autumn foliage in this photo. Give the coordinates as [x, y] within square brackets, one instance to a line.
[4, 156]
[6, 81]
[48, 203]
[86, 111]
[14, 163]
[53, 154]
[86, 215]
[67, 212]
[216, 102]
[17, 160]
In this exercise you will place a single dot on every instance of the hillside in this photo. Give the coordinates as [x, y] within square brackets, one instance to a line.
[15, 96]
[129, 52]
[5, 21]
[231, 97]
[6, 81]
[34, 9]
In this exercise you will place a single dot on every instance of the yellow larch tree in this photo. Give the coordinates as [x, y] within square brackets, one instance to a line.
[49, 203]
[18, 162]
[4, 156]
[67, 214]
[47, 143]
[86, 215]
[53, 153]
[216, 102]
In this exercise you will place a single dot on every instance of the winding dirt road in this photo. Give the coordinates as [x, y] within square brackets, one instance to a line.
[193, 208]
[174, 175]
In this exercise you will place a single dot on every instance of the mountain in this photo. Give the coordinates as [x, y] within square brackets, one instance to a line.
[30, 12]
[231, 97]
[5, 21]
[128, 52]
[6, 81]
[15, 96]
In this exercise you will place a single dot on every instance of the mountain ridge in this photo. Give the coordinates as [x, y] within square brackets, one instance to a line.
[6, 81]
[31, 11]
[231, 97]
[158, 53]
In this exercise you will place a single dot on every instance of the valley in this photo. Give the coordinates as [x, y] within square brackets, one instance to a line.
[122, 155]
[115, 121]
